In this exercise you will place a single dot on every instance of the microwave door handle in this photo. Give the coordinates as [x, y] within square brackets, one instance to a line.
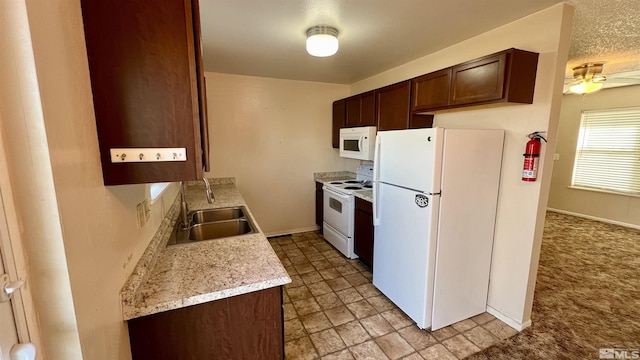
[360, 141]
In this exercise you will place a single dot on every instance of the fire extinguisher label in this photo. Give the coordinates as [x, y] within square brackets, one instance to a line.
[530, 170]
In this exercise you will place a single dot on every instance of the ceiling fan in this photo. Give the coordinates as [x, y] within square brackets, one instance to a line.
[588, 78]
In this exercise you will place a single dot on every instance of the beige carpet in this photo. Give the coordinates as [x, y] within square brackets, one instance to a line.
[587, 293]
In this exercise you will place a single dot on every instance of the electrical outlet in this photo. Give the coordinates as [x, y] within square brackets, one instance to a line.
[141, 214]
[556, 156]
[147, 210]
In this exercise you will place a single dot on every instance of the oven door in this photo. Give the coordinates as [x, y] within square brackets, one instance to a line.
[338, 211]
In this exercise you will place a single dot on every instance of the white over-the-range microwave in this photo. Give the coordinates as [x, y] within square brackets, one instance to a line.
[358, 142]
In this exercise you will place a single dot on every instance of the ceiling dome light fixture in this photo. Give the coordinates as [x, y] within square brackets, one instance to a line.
[322, 40]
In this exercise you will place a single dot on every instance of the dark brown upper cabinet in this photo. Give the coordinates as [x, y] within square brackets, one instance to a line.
[421, 121]
[392, 106]
[361, 110]
[507, 76]
[148, 85]
[338, 122]
[431, 91]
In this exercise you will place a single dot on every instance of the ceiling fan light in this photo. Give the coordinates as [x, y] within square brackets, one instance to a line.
[322, 41]
[585, 87]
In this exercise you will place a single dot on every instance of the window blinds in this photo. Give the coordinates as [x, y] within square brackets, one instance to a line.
[608, 152]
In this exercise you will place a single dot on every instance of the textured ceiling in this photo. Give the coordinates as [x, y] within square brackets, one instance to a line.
[606, 31]
[266, 37]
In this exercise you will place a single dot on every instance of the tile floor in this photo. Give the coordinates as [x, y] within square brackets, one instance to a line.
[333, 311]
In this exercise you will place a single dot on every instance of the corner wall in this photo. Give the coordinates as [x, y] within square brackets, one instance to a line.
[616, 208]
[31, 184]
[521, 206]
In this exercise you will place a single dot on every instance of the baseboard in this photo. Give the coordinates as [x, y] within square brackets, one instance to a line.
[292, 231]
[608, 221]
[507, 320]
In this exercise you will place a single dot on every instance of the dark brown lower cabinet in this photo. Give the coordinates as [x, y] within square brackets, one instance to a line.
[248, 326]
[319, 205]
[363, 231]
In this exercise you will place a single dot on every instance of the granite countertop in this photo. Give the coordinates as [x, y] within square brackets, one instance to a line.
[171, 277]
[323, 177]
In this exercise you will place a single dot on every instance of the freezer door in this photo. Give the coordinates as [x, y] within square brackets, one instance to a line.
[410, 158]
[466, 223]
[404, 250]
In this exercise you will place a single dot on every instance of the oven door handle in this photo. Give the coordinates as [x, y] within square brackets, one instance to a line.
[335, 193]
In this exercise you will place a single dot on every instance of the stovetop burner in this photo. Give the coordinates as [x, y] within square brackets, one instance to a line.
[362, 182]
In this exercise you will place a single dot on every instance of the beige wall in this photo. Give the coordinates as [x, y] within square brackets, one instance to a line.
[272, 135]
[80, 237]
[521, 205]
[610, 207]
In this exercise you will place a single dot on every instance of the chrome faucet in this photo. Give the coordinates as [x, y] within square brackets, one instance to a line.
[210, 197]
[184, 209]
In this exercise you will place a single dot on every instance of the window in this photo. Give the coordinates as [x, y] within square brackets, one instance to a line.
[156, 189]
[608, 153]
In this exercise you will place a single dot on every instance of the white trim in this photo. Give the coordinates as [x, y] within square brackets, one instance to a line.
[15, 264]
[507, 320]
[605, 191]
[608, 221]
[292, 231]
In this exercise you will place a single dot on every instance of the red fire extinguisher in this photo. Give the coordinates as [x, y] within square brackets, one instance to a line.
[532, 157]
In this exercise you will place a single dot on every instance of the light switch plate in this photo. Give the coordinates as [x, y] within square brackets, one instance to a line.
[556, 156]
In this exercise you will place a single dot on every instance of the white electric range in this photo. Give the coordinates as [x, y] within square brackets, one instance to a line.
[338, 201]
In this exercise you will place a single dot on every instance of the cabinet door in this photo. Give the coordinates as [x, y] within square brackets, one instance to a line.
[431, 91]
[338, 122]
[360, 110]
[202, 86]
[479, 80]
[352, 108]
[368, 109]
[214, 330]
[392, 106]
[363, 231]
[148, 86]
[319, 204]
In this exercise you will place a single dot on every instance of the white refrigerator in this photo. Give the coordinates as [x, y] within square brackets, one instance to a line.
[434, 206]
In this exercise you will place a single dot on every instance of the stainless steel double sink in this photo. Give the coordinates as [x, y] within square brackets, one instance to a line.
[211, 224]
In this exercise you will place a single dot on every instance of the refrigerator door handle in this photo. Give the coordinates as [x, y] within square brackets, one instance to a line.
[376, 182]
[376, 212]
